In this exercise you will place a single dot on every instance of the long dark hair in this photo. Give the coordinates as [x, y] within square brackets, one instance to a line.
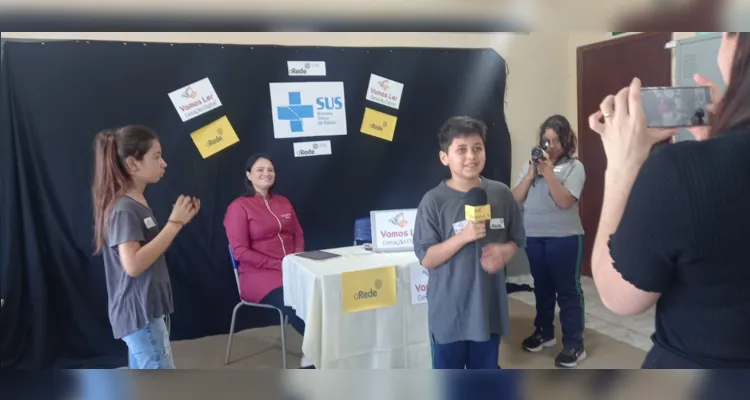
[561, 126]
[111, 176]
[733, 111]
[249, 188]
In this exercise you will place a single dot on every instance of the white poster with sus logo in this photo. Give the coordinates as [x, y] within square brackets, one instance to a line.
[195, 99]
[419, 278]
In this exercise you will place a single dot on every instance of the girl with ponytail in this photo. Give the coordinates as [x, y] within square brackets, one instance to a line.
[133, 243]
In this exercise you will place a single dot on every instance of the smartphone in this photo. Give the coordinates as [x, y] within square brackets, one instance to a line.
[676, 107]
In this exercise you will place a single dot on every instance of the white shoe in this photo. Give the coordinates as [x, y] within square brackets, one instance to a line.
[306, 362]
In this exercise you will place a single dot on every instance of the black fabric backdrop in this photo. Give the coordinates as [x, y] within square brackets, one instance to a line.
[55, 96]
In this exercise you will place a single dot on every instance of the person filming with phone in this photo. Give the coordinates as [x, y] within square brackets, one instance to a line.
[549, 187]
[673, 226]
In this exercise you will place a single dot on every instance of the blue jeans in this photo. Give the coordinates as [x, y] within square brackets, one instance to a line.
[466, 354]
[556, 267]
[149, 347]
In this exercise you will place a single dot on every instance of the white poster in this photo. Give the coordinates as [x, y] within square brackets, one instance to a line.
[384, 91]
[308, 149]
[306, 68]
[195, 99]
[419, 278]
[308, 109]
[393, 230]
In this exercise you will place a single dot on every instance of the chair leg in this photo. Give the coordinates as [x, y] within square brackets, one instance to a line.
[283, 322]
[231, 331]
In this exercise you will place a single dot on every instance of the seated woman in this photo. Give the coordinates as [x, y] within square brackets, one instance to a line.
[262, 228]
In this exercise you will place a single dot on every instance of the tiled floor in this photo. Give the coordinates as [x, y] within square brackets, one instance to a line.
[259, 348]
[635, 331]
[611, 341]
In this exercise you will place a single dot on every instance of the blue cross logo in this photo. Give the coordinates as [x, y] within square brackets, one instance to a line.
[295, 112]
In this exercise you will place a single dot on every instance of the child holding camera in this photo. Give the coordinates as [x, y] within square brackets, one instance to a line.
[549, 188]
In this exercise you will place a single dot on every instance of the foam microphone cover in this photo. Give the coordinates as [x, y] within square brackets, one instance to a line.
[476, 197]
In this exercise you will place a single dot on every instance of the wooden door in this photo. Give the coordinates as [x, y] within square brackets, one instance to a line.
[605, 68]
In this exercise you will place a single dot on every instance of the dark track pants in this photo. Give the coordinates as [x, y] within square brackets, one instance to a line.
[556, 268]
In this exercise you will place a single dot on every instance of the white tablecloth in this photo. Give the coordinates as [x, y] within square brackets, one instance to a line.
[388, 337]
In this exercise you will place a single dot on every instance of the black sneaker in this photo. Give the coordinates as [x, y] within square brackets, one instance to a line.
[538, 341]
[570, 357]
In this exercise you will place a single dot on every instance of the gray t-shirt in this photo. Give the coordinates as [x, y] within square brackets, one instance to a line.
[542, 217]
[465, 302]
[134, 302]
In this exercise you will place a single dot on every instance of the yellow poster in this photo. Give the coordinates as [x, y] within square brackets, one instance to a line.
[378, 124]
[214, 137]
[368, 289]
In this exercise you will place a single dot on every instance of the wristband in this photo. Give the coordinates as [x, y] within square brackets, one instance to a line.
[176, 222]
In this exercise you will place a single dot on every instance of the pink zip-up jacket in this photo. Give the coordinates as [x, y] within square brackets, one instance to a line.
[261, 232]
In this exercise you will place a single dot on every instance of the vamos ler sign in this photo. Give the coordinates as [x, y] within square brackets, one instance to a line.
[195, 99]
[393, 230]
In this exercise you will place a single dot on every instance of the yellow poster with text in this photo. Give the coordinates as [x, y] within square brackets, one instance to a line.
[368, 289]
[214, 137]
[378, 124]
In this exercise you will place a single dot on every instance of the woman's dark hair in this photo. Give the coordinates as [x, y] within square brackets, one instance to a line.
[733, 111]
[250, 190]
[561, 126]
[111, 177]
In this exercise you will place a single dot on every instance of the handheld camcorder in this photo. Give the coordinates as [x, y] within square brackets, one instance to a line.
[539, 153]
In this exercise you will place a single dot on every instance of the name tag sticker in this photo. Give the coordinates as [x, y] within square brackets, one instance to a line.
[558, 168]
[459, 226]
[149, 223]
[497, 223]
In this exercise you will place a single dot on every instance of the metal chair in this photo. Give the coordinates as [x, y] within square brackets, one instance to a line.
[362, 231]
[283, 319]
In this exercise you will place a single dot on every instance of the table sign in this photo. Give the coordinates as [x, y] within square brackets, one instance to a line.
[393, 230]
[419, 276]
[368, 289]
